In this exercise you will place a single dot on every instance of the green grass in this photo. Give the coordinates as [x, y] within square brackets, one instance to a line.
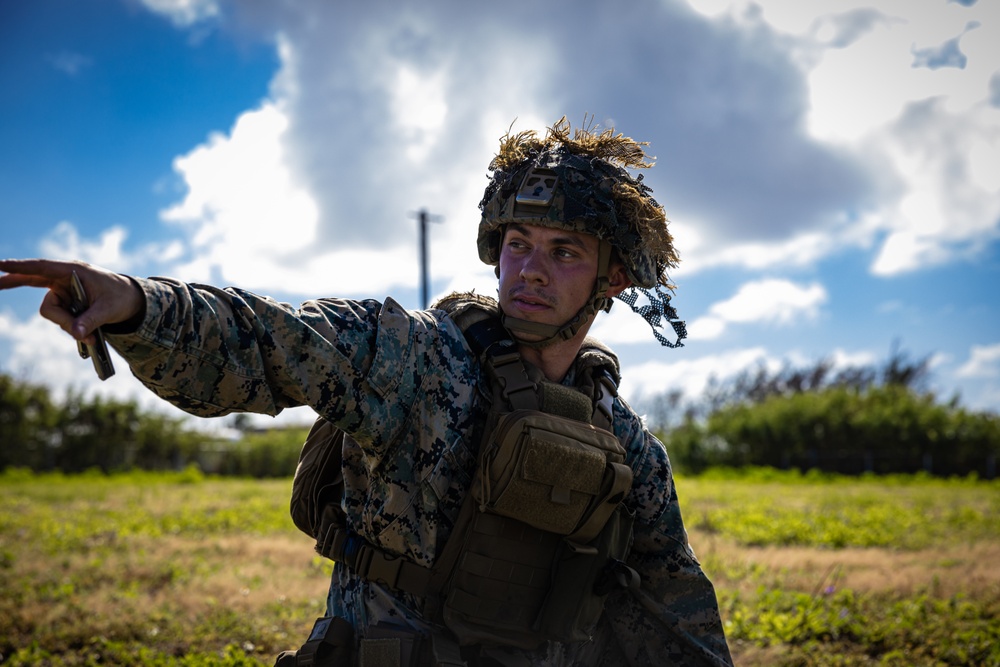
[183, 569]
[830, 570]
[70, 513]
[766, 507]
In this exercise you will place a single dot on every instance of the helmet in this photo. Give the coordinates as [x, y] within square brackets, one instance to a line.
[580, 183]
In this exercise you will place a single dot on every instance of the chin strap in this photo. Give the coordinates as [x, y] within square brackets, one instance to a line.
[551, 333]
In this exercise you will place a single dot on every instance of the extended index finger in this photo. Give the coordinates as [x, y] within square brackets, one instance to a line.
[33, 272]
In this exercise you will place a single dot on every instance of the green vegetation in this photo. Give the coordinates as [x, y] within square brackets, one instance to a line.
[881, 429]
[38, 433]
[860, 419]
[901, 512]
[867, 629]
[190, 569]
[855, 420]
[80, 434]
[273, 453]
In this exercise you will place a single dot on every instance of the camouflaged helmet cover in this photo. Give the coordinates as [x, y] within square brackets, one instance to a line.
[594, 194]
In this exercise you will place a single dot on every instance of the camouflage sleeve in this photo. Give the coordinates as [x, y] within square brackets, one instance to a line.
[674, 617]
[212, 351]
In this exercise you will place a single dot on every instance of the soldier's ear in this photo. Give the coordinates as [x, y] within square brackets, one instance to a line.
[618, 280]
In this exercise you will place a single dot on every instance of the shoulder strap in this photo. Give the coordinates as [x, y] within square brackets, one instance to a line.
[478, 318]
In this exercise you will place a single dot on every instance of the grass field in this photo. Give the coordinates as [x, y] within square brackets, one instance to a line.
[178, 569]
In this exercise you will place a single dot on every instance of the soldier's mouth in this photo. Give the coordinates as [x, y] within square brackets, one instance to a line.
[530, 303]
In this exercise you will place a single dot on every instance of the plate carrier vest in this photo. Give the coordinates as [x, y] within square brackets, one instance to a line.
[542, 535]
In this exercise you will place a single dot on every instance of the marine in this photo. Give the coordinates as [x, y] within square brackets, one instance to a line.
[568, 229]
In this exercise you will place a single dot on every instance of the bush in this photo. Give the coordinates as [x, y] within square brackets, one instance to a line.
[271, 453]
[27, 419]
[106, 435]
[84, 433]
[881, 429]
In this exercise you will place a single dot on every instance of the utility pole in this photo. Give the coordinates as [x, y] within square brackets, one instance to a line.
[424, 218]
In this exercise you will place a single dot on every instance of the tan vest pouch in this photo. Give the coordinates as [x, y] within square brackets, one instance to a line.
[552, 473]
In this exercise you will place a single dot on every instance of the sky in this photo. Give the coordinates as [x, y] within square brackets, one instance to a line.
[830, 169]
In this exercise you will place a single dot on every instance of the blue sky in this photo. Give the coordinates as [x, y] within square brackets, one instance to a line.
[831, 169]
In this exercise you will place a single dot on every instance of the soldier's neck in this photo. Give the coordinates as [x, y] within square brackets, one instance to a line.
[556, 359]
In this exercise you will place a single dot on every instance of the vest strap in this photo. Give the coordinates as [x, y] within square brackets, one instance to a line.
[371, 563]
[508, 369]
[622, 481]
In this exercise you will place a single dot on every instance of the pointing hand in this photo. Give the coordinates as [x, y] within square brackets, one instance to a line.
[113, 297]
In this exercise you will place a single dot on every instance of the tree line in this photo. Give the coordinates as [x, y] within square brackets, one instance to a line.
[81, 433]
[856, 419]
[851, 420]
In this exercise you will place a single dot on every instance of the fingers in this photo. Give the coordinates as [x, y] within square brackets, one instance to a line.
[34, 272]
[50, 274]
[12, 280]
[54, 308]
[112, 297]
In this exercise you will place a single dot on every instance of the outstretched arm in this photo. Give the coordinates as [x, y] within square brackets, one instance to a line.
[113, 297]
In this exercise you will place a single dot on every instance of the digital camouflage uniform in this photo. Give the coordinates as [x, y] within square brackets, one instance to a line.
[407, 389]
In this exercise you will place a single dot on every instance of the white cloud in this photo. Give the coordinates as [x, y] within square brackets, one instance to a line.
[246, 217]
[621, 326]
[780, 151]
[65, 242]
[984, 362]
[797, 250]
[769, 301]
[251, 222]
[861, 87]
[950, 205]
[434, 108]
[905, 87]
[841, 359]
[419, 108]
[749, 163]
[308, 196]
[691, 376]
[432, 113]
[184, 13]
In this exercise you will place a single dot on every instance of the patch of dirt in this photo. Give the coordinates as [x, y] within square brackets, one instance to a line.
[943, 571]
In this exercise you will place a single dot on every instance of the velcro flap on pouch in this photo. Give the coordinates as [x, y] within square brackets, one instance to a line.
[554, 483]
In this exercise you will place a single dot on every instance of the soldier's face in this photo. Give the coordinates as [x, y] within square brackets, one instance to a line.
[546, 275]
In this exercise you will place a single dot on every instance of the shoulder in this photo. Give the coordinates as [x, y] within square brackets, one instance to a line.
[594, 354]
[389, 323]
[433, 335]
[386, 341]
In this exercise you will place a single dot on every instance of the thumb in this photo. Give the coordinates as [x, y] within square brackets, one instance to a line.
[88, 321]
[81, 329]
